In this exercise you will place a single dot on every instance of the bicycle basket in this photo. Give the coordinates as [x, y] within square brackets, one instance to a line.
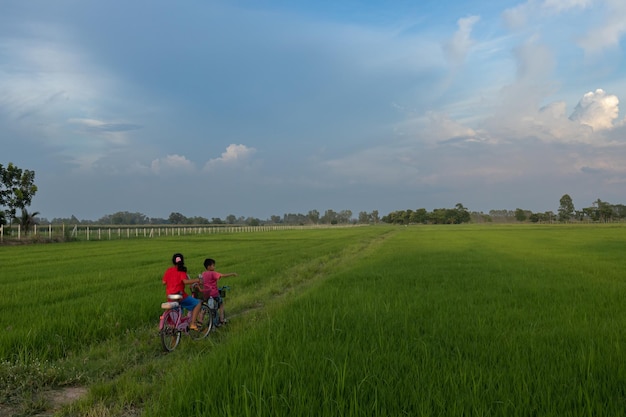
[223, 290]
[196, 293]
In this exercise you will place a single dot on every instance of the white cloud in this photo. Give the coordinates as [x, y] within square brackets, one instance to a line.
[457, 48]
[235, 155]
[172, 164]
[441, 128]
[112, 132]
[597, 109]
[610, 31]
[558, 6]
[518, 16]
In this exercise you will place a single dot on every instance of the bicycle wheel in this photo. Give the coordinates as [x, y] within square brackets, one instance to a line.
[204, 317]
[170, 335]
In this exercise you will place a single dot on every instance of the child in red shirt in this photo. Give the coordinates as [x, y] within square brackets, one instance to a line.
[175, 279]
[209, 285]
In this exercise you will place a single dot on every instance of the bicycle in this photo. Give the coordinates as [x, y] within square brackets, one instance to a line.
[211, 303]
[173, 323]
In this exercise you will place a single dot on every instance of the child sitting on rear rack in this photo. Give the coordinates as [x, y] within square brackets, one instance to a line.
[209, 285]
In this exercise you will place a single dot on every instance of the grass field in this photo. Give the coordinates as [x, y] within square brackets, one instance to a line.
[368, 321]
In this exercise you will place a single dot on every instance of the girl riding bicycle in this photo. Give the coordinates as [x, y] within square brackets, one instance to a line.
[175, 279]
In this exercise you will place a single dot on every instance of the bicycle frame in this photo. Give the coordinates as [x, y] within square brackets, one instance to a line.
[173, 323]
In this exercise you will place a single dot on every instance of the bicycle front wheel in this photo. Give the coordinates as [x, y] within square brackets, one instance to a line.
[170, 335]
[205, 323]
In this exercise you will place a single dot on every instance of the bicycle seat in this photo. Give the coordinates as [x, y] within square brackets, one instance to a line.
[174, 297]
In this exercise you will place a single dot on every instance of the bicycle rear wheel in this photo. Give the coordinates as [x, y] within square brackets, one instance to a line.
[170, 335]
[205, 318]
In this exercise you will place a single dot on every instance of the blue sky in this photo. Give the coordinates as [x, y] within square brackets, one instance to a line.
[266, 107]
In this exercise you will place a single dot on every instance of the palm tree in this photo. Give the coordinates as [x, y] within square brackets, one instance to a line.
[27, 220]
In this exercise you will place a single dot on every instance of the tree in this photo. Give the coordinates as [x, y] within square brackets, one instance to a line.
[566, 208]
[17, 189]
[177, 218]
[252, 221]
[314, 216]
[461, 214]
[329, 217]
[344, 216]
[27, 220]
[604, 210]
[520, 215]
[419, 216]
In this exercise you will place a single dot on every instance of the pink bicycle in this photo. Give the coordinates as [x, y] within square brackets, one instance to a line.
[173, 323]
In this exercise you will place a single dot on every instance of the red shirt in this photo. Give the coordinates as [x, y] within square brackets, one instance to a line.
[173, 280]
[209, 283]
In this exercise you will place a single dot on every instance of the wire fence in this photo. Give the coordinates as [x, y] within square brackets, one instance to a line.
[62, 232]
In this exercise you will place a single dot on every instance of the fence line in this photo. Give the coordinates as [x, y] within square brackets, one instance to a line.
[99, 232]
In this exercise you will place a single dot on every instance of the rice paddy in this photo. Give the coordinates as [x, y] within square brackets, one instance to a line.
[368, 321]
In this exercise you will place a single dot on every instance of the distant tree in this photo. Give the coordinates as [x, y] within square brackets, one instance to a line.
[198, 220]
[314, 216]
[231, 219]
[461, 214]
[606, 211]
[600, 211]
[520, 215]
[619, 210]
[480, 217]
[438, 216]
[124, 217]
[276, 219]
[419, 216]
[329, 217]
[295, 219]
[566, 208]
[27, 220]
[177, 218]
[217, 220]
[17, 189]
[251, 221]
[344, 216]
[374, 217]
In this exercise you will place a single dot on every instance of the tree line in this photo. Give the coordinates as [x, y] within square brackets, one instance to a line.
[17, 189]
[313, 217]
[599, 211]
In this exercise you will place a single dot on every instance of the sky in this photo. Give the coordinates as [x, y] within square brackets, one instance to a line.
[259, 108]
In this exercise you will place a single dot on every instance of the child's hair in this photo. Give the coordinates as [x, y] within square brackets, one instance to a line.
[208, 262]
[179, 260]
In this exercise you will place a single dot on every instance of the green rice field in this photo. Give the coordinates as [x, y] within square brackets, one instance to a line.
[469, 320]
